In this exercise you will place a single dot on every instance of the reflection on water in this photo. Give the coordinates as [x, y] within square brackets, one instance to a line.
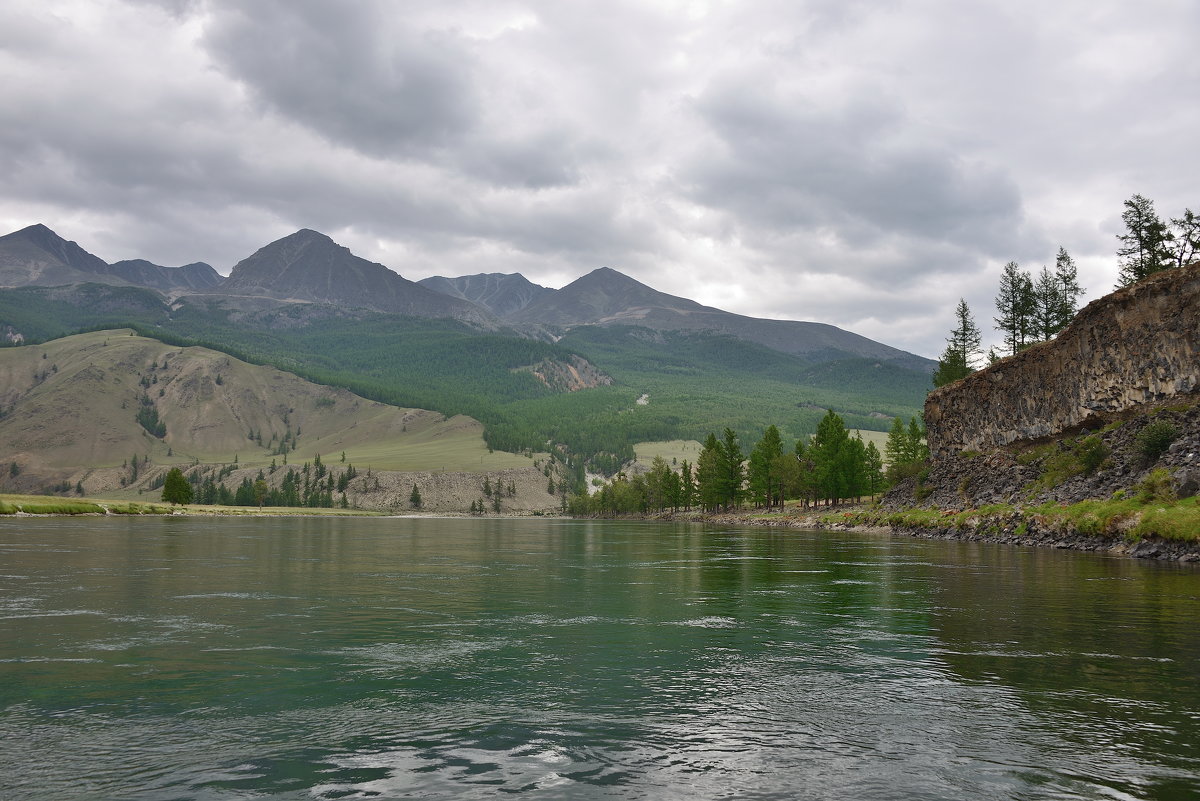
[336, 658]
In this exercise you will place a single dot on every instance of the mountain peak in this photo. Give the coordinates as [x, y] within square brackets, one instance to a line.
[309, 234]
[309, 266]
[37, 255]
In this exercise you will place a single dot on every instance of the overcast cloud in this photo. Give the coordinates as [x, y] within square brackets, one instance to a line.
[858, 163]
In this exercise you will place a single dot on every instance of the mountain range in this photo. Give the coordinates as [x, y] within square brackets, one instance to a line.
[308, 267]
[36, 256]
[589, 370]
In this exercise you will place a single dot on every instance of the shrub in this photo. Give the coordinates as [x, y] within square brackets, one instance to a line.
[1155, 487]
[1092, 452]
[1154, 439]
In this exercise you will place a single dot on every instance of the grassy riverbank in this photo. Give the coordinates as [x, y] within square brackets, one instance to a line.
[53, 505]
[1165, 529]
[1128, 518]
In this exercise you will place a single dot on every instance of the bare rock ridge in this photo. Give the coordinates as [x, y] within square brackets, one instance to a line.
[1136, 346]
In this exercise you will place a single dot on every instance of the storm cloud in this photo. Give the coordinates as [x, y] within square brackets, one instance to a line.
[858, 163]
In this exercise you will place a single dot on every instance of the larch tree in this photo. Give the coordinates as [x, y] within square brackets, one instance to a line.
[1144, 245]
[1184, 239]
[764, 471]
[1015, 306]
[735, 471]
[962, 348]
[176, 488]
[1066, 275]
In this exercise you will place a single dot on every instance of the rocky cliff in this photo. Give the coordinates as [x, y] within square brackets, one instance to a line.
[1136, 346]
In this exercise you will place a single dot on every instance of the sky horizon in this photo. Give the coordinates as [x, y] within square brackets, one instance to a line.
[863, 164]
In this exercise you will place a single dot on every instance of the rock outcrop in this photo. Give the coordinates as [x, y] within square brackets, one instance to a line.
[1136, 346]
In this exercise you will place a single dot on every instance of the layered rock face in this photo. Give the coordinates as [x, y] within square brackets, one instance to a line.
[1139, 345]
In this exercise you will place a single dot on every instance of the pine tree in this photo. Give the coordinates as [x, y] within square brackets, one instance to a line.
[1015, 307]
[687, 489]
[874, 469]
[1069, 290]
[176, 488]
[905, 449]
[414, 499]
[656, 483]
[918, 450]
[1184, 239]
[962, 348]
[710, 474]
[1144, 245]
[735, 472]
[827, 455]
[1047, 302]
[764, 468]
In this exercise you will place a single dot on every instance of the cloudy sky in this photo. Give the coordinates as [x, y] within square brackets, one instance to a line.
[858, 162]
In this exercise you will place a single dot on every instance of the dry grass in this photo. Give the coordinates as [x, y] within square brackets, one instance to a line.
[53, 505]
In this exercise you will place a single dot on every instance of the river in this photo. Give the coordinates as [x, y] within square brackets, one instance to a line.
[174, 658]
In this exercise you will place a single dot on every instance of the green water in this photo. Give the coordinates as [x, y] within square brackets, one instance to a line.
[346, 658]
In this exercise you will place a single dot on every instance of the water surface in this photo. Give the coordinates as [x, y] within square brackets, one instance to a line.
[425, 658]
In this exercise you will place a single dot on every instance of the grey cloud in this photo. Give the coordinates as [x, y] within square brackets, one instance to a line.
[859, 163]
[351, 71]
[784, 164]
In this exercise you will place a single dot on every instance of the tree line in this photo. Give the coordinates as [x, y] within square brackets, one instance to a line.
[312, 486]
[830, 467]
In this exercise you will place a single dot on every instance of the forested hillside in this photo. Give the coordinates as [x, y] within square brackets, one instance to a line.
[666, 384]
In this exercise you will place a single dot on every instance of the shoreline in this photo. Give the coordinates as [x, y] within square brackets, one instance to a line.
[1023, 532]
[1010, 530]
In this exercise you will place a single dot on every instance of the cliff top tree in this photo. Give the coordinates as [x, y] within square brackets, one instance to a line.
[1184, 238]
[1144, 245]
[1015, 305]
[1068, 291]
[962, 348]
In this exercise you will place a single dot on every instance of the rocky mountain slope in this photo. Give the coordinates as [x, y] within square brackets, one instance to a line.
[608, 297]
[37, 256]
[501, 294]
[308, 266]
[196, 277]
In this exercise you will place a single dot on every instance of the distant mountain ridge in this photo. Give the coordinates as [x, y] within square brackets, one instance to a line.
[500, 293]
[608, 297]
[310, 267]
[37, 256]
[195, 277]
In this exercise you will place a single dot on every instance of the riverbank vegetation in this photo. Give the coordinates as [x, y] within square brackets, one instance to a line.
[1127, 517]
[830, 467]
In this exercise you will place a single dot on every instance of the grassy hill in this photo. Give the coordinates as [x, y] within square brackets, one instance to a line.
[689, 382]
[89, 402]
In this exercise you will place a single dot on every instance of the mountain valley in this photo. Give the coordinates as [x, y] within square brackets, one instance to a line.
[592, 368]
